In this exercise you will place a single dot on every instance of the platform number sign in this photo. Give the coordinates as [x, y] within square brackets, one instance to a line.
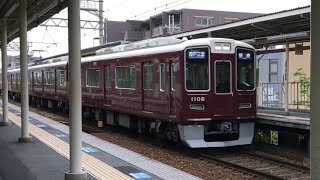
[299, 49]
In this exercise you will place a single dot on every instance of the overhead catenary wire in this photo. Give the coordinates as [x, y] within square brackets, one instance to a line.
[154, 9]
[154, 13]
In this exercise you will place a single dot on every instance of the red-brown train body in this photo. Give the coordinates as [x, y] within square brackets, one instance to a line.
[201, 91]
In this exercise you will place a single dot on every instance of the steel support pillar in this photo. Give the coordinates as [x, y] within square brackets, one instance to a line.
[101, 21]
[315, 91]
[75, 99]
[286, 85]
[5, 121]
[25, 137]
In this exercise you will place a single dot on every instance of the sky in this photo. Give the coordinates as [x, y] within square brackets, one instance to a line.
[121, 10]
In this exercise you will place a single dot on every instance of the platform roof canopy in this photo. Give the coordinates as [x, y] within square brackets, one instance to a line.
[37, 11]
[274, 28]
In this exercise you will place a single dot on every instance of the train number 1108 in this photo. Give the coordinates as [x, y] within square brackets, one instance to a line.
[197, 99]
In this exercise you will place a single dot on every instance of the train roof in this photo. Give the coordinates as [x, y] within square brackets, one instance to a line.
[150, 47]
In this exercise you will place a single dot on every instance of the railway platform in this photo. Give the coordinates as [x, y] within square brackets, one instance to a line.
[296, 120]
[47, 157]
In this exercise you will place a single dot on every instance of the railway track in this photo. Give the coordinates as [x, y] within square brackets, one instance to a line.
[258, 166]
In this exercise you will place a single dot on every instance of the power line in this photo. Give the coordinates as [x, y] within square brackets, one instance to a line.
[156, 12]
[118, 5]
[155, 8]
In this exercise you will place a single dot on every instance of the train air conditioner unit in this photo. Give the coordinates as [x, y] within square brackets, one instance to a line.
[156, 42]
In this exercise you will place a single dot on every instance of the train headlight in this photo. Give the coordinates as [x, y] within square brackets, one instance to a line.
[222, 46]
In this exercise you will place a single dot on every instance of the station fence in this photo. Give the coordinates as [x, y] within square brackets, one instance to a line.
[272, 95]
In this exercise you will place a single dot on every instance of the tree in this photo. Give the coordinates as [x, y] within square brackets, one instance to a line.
[304, 85]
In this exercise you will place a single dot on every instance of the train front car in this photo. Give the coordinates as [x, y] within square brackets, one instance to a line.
[218, 106]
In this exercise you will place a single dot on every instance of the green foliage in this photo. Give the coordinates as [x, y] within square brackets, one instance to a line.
[266, 136]
[304, 87]
[262, 136]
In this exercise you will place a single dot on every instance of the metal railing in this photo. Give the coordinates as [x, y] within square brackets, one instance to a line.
[157, 31]
[272, 95]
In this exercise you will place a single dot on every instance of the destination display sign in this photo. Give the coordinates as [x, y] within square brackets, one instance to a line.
[197, 54]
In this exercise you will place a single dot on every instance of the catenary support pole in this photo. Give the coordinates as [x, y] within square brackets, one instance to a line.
[101, 21]
[75, 99]
[25, 136]
[315, 91]
[5, 121]
[286, 85]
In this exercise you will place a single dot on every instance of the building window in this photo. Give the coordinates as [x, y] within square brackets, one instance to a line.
[273, 71]
[49, 78]
[203, 21]
[62, 78]
[93, 77]
[162, 78]
[107, 77]
[230, 20]
[125, 77]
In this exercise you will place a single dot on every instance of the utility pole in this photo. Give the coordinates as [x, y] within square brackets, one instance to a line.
[101, 21]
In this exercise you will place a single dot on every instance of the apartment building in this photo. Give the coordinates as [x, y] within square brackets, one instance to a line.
[171, 22]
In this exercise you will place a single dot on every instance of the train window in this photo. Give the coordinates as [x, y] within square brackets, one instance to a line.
[147, 76]
[125, 77]
[173, 77]
[162, 78]
[223, 77]
[107, 78]
[245, 69]
[49, 78]
[38, 77]
[30, 78]
[197, 69]
[93, 78]
[62, 78]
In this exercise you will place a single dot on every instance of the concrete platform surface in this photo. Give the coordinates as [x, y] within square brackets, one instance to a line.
[47, 157]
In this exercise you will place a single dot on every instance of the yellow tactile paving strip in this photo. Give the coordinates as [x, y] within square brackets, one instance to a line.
[92, 165]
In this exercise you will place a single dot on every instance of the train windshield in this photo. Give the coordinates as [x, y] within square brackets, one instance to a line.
[197, 69]
[245, 69]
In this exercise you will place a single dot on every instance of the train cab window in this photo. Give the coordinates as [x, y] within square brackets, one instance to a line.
[162, 78]
[49, 78]
[62, 78]
[245, 69]
[197, 69]
[93, 79]
[222, 77]
[148, 76]
[173, 77]
[125, 77]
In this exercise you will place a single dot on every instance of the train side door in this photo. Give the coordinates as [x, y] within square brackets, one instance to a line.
[43, 82]
[55, 82]
[147, 85]
[172, 87]
[223, 88]
[107, 84]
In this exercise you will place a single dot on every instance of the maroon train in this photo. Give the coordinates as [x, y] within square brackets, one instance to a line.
[199, 91]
